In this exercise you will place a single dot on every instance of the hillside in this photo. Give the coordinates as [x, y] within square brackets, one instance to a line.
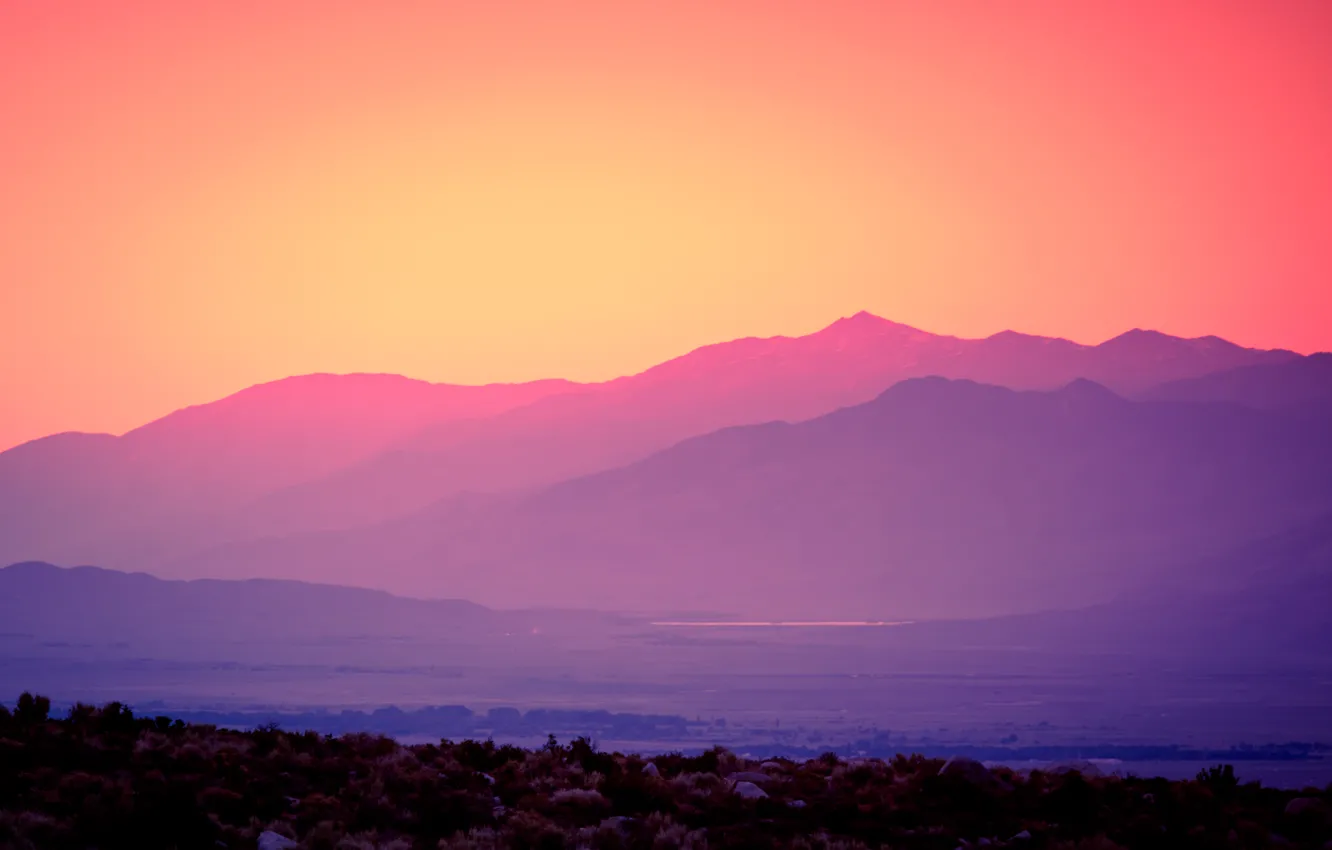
[325, 452]
[1302, 381]
[742, 382]
[85, 497]
[938, 499]
[142, 613]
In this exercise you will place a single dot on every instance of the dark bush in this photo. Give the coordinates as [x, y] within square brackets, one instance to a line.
[103, 777]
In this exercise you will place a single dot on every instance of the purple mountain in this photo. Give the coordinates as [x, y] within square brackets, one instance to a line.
[337, 452]
[937, 499]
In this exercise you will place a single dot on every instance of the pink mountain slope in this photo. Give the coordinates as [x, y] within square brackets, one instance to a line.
[326, 452]
[937, 499]
[734, 383]
[75, 492]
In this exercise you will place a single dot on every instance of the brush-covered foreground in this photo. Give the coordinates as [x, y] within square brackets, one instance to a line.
[103, 778]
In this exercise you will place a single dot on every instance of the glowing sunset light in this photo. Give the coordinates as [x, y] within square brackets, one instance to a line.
[820, 422]
[200, 197]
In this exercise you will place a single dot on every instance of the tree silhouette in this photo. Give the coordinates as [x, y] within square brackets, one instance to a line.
[31, 710]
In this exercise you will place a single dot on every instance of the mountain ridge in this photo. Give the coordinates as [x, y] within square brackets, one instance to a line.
[327, 452]
[939, 498]
[860, 321]
[115, 610]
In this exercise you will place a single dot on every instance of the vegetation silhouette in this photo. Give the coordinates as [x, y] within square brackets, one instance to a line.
[104, 777]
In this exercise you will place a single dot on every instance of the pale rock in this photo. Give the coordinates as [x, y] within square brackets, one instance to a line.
[269, 840]
[749, 790]
[968, 769]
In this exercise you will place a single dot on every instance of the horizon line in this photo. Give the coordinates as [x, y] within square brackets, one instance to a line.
[780, 624]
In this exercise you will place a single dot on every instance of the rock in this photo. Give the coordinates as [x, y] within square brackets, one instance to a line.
[488, 778]
[1303, 807]
[583, 796]
[269, 840]
[750, 776]
[650, 769]
[749, 790]
[498, 811]
[771, 765]
[796, 804]
[1021, 836]
[968, 769]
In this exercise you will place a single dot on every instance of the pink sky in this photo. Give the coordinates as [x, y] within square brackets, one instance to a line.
[197, 197]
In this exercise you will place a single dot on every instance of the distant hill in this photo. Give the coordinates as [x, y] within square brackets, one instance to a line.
[164, 484]
[109, 608]
[938, 499]
[1290, 383]
[89, 603]
[1261, 604]
[328, 452]
[742, 382]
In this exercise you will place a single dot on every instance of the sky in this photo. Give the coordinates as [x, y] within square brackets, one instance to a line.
[196, 197]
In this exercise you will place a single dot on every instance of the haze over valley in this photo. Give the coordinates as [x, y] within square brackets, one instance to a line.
[1062, 542]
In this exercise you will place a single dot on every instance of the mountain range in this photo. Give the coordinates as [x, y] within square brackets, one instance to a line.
[103, 608]
[937, 499]
[822, 475]
[1264, 601]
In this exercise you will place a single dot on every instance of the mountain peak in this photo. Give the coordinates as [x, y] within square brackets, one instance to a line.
[863, 319]
[1017, 339]
[1140, 338]
[932, 389]
[863, 316]
[866, 324]
[1084, 389]
[31, 567]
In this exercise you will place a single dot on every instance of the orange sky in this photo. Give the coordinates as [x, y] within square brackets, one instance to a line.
[195, 197]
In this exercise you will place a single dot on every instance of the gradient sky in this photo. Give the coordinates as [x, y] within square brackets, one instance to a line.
[195, 197]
